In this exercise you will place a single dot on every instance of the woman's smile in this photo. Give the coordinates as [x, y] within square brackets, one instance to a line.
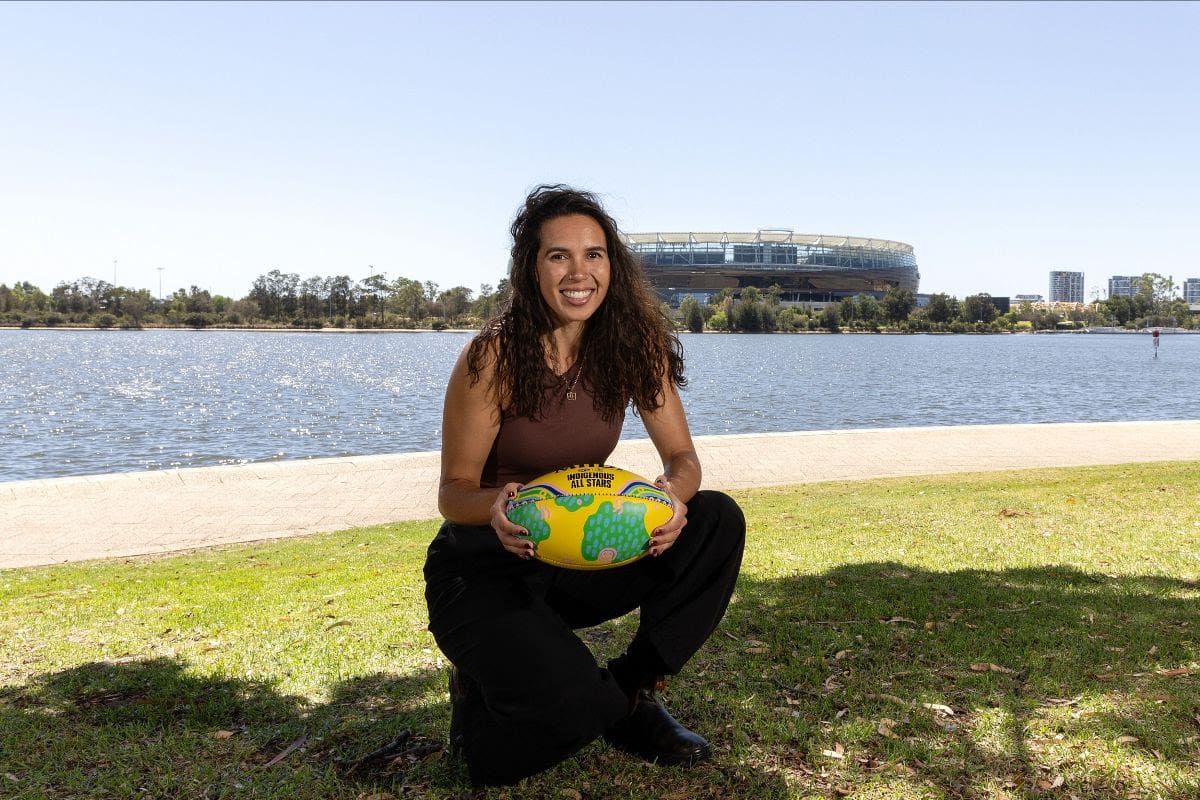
[573, 267]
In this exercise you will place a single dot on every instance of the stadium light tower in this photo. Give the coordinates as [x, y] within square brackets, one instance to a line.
[160, 272]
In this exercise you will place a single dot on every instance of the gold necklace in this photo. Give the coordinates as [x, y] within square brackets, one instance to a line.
[571, 386]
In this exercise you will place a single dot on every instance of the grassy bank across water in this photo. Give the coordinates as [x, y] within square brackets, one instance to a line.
[1018, 634]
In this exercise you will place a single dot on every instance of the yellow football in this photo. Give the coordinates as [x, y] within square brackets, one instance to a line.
[590, 516]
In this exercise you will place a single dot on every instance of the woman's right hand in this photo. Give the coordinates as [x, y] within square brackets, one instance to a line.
[513, 538]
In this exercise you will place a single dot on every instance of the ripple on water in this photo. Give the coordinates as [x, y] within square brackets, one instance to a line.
[84, 402]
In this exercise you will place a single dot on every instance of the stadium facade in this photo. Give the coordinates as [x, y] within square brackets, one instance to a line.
[808, 268]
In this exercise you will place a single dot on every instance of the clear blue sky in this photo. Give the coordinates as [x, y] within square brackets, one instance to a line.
[223, 140]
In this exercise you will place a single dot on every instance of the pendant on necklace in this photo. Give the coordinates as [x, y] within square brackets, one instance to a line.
[570, 387]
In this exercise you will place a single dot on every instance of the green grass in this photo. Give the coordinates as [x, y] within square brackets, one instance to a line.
[1019, 634]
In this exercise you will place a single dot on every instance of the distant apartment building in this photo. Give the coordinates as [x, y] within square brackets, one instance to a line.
[1124, 285]
[1191, 290]
[1066, 287]
[1027, 298]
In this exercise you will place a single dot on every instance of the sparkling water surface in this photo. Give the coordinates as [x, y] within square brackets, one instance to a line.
[88, 402]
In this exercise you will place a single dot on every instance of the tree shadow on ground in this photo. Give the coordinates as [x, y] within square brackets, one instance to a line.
[155, 728]
[1045, 670]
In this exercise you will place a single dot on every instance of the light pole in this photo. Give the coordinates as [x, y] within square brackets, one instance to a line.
[160, 272]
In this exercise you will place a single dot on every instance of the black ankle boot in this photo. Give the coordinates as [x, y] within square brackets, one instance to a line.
[462, 691]
[650, 732]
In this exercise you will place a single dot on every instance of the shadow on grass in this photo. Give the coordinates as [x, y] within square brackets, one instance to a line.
[153, 728]
[1045, 669]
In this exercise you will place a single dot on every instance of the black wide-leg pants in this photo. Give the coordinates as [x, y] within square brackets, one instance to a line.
[507, 624]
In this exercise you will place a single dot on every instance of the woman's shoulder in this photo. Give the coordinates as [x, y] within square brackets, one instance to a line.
[481, 362]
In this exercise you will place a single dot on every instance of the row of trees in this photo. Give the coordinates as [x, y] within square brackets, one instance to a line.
[276, 299]
[280, 299]
[753, 310]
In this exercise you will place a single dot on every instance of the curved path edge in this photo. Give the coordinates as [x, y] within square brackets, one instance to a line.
[143, 513]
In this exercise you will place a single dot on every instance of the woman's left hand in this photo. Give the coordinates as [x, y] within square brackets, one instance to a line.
[662, 537]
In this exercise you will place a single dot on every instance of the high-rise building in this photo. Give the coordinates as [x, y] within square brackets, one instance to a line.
[1124, 285]
[1191, 290]
[1066, 287]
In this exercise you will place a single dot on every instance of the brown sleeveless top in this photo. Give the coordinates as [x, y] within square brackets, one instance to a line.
[569, 432]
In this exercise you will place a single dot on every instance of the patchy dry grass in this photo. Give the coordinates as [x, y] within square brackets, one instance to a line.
[1021, 634]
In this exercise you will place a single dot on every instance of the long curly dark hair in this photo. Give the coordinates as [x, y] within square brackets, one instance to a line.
[629, 343]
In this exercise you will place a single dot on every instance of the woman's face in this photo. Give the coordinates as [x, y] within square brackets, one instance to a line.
[572, 267]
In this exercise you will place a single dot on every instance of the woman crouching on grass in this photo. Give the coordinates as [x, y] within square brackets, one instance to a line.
[544, 386]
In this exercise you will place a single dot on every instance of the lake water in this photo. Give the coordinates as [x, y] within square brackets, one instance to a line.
[87, 402]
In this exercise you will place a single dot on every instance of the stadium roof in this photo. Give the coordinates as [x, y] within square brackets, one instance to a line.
[777, 235]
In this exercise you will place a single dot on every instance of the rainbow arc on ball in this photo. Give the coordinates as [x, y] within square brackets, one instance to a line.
[590, 516]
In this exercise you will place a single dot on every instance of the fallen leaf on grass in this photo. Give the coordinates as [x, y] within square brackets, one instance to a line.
[837, 752]
[1046, 784]
[1012, 512]
[1045, 741]
[287, 751]
[1127, 739]
[939, 708]
[12, 777]
[1178, 672]
[891, 698]
[885, 728]
[758, 651]
[223, 734]
[337, 624]
[127, 659]
[984, 666]
[899, 620]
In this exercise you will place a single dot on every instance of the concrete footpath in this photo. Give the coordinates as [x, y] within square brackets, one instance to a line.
[107, 516]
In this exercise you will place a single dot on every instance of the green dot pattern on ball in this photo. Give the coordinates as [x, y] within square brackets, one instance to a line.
[574, 502]
[623, 531]
[530, 518]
